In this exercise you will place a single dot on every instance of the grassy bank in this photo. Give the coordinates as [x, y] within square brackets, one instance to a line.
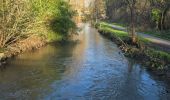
[160, 34]
[154, 59]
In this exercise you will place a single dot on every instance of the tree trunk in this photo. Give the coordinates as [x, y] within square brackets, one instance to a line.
[162, 25]
[133, 33]
[164, 16]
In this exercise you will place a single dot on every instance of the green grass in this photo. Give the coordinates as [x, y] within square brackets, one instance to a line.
[144, 40]
[119, 24]
[159, 59]
[104, 24]
[160, 34]
[163, 35]
[118, 33]
[156, 58]
[159, 54]
[106, 27]
[116, 24]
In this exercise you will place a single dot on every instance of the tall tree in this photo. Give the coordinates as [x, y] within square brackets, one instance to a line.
[98, 9]
[131, 4]
[160, 11]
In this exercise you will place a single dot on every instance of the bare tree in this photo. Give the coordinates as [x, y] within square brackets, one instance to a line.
[98, 9]
[163, 6]
[131, 5]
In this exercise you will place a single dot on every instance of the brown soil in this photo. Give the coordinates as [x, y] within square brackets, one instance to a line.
[31, 43]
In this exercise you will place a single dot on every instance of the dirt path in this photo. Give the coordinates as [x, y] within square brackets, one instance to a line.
[164, 44]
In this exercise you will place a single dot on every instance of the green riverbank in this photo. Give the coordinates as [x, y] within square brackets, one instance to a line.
[143, 51]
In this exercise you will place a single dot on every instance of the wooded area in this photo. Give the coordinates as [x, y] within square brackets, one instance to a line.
[143, 15]
[128, 21]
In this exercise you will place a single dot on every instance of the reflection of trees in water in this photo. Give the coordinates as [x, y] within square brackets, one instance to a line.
[33, 72]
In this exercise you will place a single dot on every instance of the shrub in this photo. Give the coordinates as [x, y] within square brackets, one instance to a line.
[19, 19]
[15, 20]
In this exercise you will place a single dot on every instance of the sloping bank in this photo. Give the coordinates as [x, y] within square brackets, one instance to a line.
[30, 24]
[31, 43]
[155, 60]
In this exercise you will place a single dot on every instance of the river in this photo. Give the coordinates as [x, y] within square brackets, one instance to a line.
[90, 68]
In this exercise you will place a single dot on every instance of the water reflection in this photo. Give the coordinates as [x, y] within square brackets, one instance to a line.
[90, 69]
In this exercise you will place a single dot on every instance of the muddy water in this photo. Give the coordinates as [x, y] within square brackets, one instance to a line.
[91, 68]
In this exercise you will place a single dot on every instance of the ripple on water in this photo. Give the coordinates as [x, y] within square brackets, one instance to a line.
[92, 69]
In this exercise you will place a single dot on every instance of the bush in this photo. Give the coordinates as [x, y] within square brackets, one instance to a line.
[15, 20]
[19, 19]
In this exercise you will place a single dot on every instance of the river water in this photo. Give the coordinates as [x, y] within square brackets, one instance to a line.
[90, 68]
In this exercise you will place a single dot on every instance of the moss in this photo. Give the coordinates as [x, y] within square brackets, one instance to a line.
[159, 54]
[157, 59]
